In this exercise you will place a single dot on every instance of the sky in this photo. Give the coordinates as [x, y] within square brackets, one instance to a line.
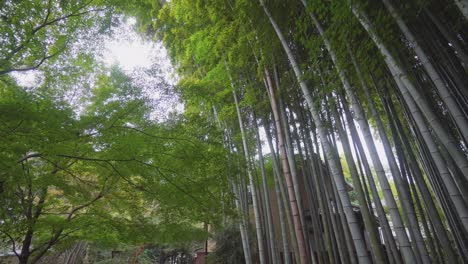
[124, 47]
[127, 48]
[148, 63]
[145, 61]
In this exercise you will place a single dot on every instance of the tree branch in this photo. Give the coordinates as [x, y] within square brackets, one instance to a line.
[29, 156]
[73, 211]
[12, 242]
[44, 24]
[170, 181]
[59, 233]
[31, 67]
[93, 159]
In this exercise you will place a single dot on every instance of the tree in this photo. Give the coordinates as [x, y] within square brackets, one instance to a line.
[321, 79]
[33, 32]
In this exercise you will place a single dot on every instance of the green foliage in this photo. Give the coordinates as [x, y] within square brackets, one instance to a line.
[32, 32]
[109, 175]
[105, 172]
[101, 169]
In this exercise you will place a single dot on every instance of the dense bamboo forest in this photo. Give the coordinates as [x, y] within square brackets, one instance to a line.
[310, 132]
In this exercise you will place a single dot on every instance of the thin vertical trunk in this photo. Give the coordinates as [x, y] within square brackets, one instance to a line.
[452, 189]
[442, 89]
[362, 121]
[368, 221]
[378, 204]
[312, 199]
[340, 214]
[242, 226]
[290, 153]
[253, 190]
[393, 167]
[402, 192]
[361, 250]
[407, 178]
[330, 187]
[268, 216]
[418, 177]
[279, 195]
[284, 196]
[298, 227]
[438, 187]
[322, 197]
[454, 42]
[463, 7]
[361, 170]
[238, 201]
[409, 90]
[453, 74]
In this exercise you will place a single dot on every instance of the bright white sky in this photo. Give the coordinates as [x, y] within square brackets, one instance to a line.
[146, 61]
[127, 48]
[129, 54]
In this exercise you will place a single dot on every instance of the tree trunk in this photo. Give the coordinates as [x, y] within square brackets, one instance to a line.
[279, 195]
[359, 243]
[442, 89]
[312, 198]
[407, 88]
[298, 227]
[289, 153]
[402, 193]
[238, 200]
[268, 216]
[253, 190]
[243, 227]
[446, 32]
[463, 7]
[436, 155]
[388, 234]
[362, 120]
[418, 177]
[321, 195]
[368, 221]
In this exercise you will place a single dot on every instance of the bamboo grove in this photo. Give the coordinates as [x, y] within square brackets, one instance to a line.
[317, 131]
[363, 106]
